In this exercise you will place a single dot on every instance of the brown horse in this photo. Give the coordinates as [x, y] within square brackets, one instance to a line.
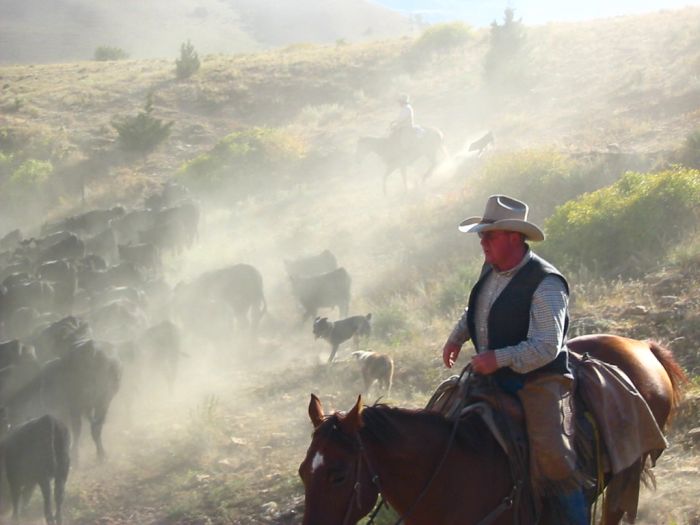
[397, 156]
[404, 454]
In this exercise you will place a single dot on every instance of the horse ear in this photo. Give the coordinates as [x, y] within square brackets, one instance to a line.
[315, 411]
[352, 422]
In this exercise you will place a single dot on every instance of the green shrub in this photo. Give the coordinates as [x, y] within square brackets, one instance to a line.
[36, 142]
[244, 159]
[544, 178]
[143, 132]
[628, 226]
[105, 53]
[453, 293]
[436, 39]
[442, 37]
[188, 63]
[26, 181]
[391, 324]
[507, 60]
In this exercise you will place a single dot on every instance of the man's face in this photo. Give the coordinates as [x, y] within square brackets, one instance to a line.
[500, 247]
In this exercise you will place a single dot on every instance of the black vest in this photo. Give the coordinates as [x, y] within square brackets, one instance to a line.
[509, 317]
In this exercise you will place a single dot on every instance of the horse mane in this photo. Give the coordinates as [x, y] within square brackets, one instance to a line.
[387, 425]
[383, 424]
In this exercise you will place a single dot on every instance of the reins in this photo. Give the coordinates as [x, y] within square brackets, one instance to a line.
[355, 491]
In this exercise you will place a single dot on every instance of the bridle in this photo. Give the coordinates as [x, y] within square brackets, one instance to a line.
[357, 486]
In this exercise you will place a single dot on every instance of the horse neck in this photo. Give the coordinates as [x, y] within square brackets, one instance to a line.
[420, 458]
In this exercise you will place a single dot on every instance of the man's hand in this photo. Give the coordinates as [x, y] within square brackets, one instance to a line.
[449, 353]
[484, 363]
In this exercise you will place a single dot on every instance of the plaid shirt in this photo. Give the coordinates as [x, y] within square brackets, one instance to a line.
[545, 337]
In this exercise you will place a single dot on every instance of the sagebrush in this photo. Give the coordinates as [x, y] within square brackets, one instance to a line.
[143, 132]
[188, 63]
[629, 226]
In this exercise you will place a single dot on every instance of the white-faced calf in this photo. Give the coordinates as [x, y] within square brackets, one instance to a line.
[376, 367]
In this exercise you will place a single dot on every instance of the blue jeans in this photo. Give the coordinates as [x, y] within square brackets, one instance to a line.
[574, 508]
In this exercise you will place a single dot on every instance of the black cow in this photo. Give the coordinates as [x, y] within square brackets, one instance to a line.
[14, 352]
[123, 274]
[127, 227]
[69, 248]
[323, 262]
[143, 256]
[21, 322]
[19, 264]
[60, 337]
[111, 294]
[34, 294]
[64, 278]
[117, 321]
[18, 366]
[326, 290]
[16, 278]
[33, 454]
[10, 240]
[89, 223]
[167, 237]
[171, 193]
[238, 287]
[186, 214]
[81, 383]
[103, 244]
[46, 241]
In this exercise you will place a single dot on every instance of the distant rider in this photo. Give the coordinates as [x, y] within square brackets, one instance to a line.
[403, 129]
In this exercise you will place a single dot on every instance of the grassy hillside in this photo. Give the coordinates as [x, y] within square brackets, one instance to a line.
[32, 31]
[597, 100]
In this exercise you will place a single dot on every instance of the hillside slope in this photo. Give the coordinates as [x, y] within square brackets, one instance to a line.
[33, 31]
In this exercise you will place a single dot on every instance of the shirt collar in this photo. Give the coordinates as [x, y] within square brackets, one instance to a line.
[509, 273]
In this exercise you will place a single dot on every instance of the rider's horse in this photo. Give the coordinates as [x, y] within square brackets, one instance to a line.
[399, 156]
[433, 472]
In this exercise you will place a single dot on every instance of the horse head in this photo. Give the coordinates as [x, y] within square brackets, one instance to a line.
[335, 469]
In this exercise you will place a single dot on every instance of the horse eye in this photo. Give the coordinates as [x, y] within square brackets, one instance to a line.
[337, 477]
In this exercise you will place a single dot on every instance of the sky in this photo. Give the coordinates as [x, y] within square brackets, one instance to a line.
[533, 12]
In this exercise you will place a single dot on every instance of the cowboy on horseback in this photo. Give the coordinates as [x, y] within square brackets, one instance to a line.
[517, 318]
[403, 129]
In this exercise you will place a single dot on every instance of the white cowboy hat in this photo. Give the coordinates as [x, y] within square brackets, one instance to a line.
[503, 213]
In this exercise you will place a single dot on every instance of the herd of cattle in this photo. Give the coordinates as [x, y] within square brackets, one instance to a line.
[85, 309]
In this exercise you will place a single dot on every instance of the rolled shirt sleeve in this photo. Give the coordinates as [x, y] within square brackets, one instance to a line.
[545, 336]
[460, 333]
